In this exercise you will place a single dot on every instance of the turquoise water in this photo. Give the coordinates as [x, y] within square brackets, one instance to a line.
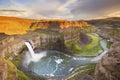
[55, 64]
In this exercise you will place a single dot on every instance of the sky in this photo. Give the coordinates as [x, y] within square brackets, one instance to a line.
[60, 9]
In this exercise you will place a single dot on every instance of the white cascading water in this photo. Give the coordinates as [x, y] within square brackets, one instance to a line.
[30, 49]
[32, 56]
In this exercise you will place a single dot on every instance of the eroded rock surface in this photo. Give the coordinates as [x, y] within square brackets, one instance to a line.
[109, 67]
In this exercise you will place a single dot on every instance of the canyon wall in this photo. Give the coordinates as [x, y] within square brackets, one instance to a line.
[9, 47]
[12, 46]
[55, 35]
[45, 41]
[109, 66]
[57, 25]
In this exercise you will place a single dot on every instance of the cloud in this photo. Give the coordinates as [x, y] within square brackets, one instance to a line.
[95, 8]
[65, 5]
[39, 9]
[60, 9]
[5, 10]
[117, 14]
[53, 9]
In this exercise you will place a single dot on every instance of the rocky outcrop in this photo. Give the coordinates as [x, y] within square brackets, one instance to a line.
[57, 25]
[12, 46]
[109, 67]
[84, 39]
[71, 34]
[9, 48]
[70, 30]
[3, 69]
[54, 35]
[44, 41]
[113, 22]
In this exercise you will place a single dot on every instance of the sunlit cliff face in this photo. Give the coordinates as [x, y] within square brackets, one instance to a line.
[74, 23]
[12, 25]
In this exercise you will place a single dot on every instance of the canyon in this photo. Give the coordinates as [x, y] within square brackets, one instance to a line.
[12, 45]
[51, 35]
[108, 66]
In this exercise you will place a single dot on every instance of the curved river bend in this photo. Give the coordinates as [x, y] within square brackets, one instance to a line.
[54, 63]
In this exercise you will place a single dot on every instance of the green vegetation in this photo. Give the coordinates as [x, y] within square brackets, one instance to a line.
[73, 46]
[109, 44]
[88, 50]
[114, 31]
[89, 29]
[13, 72]
[93, 47]
[81, 71]
[17, 60]
[22, 76]
[8, 55]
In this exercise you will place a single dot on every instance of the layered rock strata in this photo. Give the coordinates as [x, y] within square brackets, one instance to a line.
[109, 66]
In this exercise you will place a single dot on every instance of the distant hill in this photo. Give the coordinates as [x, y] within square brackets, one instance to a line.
[107, 22]
[13, 25]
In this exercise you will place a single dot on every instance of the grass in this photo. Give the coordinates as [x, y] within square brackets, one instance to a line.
[109, 44]
[93, 47]
[12, 27]
[22, 76]
[94, 42]
[12, 68]
[7, 56]
[113, 31]
[73, 46]
[13, 72]
[17, 59]
[81, 71]
[88, 50]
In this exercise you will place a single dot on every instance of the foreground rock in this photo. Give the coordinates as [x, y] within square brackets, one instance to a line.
[109, 67]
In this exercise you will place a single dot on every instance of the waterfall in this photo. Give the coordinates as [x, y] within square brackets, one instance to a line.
[30, 49]
[31, 55]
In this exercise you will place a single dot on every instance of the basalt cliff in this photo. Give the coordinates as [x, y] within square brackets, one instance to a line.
[108, 67]
[42, 34]
[47, 34]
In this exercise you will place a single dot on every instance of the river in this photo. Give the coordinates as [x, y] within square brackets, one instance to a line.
[54, 63]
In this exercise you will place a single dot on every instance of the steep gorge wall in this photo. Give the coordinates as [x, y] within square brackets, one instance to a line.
[57, 25]
[12, 46]
[9, 47]
[45, 41]
[109, 67]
